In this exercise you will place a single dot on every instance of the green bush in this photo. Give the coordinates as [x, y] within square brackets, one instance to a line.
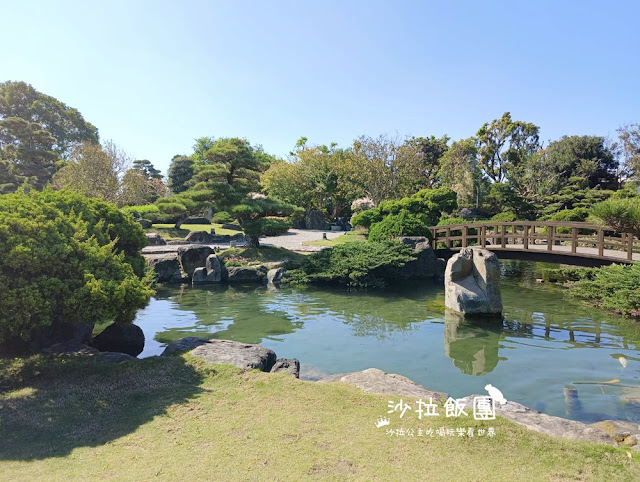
[222, 217]
[505, 217]
[575, 215]
[66, 258]
[395, 225]
[623, 215]
[148, 211]
[274, 227]
[359, 265]
[613, 287]
[427, 204]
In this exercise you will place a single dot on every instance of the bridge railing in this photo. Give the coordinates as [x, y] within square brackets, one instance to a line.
[565, 237]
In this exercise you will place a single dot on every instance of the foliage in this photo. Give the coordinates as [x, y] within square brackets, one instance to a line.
[460, 171]
[361, 204]
[358, 265]
[147, 168]
[148, 211]
[629, 147]
[427, 204]
[251, 213]
[503, 144]
[613, 287]
[265, 254]
[401, 224]
[623, 215]
[505, 217]
[274, 227]
[222, 217]
[93, 171]
[180, 173]
[504, 197]
[65, 258]
[35, 131]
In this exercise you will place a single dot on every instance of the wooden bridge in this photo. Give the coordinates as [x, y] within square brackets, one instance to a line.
[574, 243]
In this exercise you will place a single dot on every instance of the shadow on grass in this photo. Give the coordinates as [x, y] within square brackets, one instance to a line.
[50, 406]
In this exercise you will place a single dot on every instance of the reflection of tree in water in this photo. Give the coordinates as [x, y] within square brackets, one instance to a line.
[229, 312]
[253, 313]
[472, 345]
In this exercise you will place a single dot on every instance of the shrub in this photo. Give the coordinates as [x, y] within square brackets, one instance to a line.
[147, 211]
[613, 287]
[427, 204]
[359, 265]
[66, 258]
[274, 227]
[222, 217]
[623, 215]
[402, 224]
[505, 217]
[576, 215]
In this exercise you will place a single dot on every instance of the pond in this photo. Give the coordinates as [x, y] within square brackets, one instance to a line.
[543, 342]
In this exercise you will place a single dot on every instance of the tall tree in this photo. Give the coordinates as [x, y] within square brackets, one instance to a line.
[460, 171]
[503, 143]
[147, 168]
[94, 171]
[65, 124]
[629, 146]
[425, 173]
[180, 173]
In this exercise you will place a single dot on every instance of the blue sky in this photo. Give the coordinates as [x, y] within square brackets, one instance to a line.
[155, 75]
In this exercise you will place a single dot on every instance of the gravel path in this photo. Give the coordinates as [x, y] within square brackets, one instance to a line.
[292, 240]
[295, 237]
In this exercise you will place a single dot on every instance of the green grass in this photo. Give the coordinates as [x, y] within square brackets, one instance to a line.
[168, 231]
[265, 254]
[348, 237]
[177, 417]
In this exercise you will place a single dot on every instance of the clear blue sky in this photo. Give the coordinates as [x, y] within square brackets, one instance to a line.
[155, 75]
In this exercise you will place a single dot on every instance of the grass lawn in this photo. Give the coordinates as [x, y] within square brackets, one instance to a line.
[348, 237]
[178, 418]
[168, 231]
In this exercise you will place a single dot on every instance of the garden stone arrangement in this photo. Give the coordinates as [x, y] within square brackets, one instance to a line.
[472, 283]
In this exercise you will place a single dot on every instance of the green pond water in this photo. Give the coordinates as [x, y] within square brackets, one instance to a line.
[543, 342]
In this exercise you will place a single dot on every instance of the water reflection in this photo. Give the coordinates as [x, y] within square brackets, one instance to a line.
[472, 345]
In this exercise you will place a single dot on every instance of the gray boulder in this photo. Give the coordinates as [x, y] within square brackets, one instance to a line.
[373, 380]
[121, 337]
[275, 275]
[472, 283]
[73, 346]
[547, 424]
[196, 220]
[623, 432]
[241, 355]
[144, 223]
[213, 272]
[201, 237]
[166, 267]
[244, 274]
[426, 265]
[184, 344]
[192, 257]
[232, 227]
[154, 239]
[289, 365]
[315, 220]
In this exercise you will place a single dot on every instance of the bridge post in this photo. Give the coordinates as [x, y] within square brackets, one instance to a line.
[630, 247]
[483, 236]
[525, 240]
[464, 236]
[503, 240]
[600, 242]
[448, 241]
[574, 240]
[550, 236]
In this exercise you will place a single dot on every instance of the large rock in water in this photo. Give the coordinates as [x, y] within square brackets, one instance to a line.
[244, 274]
[241, 355]
[192, 257]
[426, 264]
[472, 283]
[373, 380]
[122, 338]
[213, 272]
[183, 344]
[166, 267]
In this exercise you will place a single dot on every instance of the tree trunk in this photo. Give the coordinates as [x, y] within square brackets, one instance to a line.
[251, 241]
